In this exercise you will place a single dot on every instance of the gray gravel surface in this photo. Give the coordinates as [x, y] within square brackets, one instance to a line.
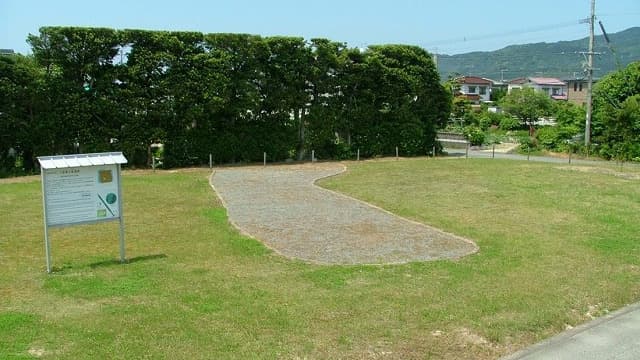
[281, 206]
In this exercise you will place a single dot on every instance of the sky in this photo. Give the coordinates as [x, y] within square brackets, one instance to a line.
[442, 26]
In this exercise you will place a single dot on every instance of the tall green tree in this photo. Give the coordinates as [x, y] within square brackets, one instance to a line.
[357, 93]
[406, 101]
[80, 61]
[288, 70]
[242, 58]
[149, 109]
[615, 121]
[527, 105]
[22, 126]
[326, 132]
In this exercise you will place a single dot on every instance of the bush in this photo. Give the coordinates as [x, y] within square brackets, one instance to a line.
[555, 137]
[549, 137]
[474, 134]
[509, 123]
[486, 121]
[492, 119]
[528, 143]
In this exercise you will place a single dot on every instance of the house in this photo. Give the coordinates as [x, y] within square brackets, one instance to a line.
[555, 88]
[475, 89]
[577, 90]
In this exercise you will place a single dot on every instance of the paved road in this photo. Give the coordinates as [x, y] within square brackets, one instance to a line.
[454, 152]
[614, 336]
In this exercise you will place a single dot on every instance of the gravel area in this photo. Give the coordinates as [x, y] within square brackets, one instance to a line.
[281, 206]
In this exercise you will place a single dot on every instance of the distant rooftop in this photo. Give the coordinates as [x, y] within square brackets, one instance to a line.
[518, 81]
[578, 79]
[475, 80]
[546, 81]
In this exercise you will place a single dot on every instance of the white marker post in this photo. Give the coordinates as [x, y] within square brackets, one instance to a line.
[81, 189]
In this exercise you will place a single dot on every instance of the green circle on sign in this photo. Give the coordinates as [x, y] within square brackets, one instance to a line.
[111, 198]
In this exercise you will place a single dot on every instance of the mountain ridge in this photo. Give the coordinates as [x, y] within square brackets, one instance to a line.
[562, 59]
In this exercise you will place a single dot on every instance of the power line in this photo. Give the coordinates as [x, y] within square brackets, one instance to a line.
[498, 35]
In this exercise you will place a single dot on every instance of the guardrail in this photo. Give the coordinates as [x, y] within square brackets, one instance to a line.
[453, 139]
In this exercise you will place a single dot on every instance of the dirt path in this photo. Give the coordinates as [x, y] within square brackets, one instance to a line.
[281, 206]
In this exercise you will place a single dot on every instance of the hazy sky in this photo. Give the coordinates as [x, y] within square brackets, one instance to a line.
[442, 26]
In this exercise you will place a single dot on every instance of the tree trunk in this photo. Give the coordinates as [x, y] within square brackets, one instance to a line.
[299, 118]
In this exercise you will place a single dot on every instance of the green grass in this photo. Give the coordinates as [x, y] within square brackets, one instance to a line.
[554, 246]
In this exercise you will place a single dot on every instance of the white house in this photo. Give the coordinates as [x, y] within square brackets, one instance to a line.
[556, 89]
[475, 89]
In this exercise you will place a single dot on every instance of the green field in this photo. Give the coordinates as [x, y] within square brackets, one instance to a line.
[558, 245]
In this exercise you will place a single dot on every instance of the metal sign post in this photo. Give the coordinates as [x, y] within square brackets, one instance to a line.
[122, 247]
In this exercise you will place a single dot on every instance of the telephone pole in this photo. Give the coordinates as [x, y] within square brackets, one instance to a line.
[587, 128]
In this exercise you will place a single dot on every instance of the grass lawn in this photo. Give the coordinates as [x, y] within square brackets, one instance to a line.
[557, 247]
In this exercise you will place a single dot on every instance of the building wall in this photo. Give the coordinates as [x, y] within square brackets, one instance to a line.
[476, 90]
[577, 92]
[550, 89]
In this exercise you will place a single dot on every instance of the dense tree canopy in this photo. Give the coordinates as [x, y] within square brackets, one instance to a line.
[232, 95]
[616, 121]
[22, 127]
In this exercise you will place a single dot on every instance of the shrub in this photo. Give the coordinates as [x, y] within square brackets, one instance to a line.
[509, 123]
[528, 143]
[474, 134]
[548, 137]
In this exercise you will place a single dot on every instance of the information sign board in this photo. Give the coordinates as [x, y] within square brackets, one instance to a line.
[82, 194]
[81, 189]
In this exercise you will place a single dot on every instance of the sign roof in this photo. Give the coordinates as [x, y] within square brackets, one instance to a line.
[81, 160]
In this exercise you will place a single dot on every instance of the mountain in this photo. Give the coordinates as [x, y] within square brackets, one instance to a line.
[561, 59]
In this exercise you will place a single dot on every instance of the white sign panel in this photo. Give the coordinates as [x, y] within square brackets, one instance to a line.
[76, 195]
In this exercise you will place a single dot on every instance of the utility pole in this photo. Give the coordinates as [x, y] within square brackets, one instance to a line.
[587, 128]
[435, 58]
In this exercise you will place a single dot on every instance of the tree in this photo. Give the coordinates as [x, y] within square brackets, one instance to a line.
[402, 100]
[498, 93]
[569, 115]
[232, 95]
[621, 131]
[22, 128]
[288, 70]
[239, 122]
[527, 105]
[80, 83]
[615, 108]
[328, 131]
